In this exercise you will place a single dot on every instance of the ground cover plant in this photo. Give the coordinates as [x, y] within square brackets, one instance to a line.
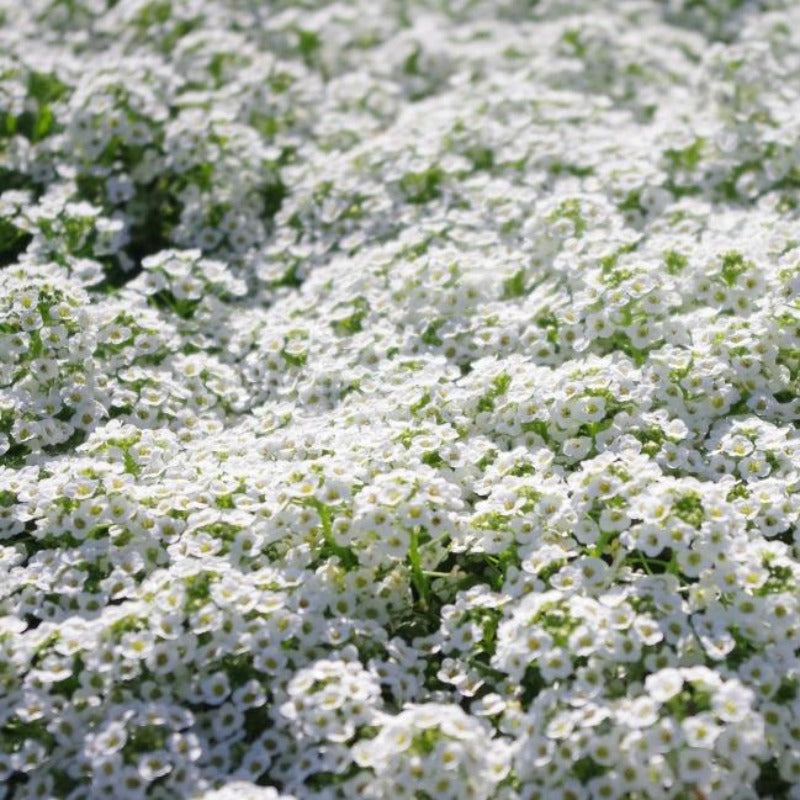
[399, 399]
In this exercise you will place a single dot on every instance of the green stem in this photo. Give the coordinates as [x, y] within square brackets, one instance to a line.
[418, 578]
[643, 560]
[605, 538]
[345, 555]
[615, 565]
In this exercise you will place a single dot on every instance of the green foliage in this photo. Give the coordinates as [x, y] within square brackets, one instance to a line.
[423, 187]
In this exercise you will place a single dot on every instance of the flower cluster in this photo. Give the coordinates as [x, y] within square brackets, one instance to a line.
[399, 399]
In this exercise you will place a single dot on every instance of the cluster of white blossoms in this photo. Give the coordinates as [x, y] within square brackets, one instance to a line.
[400, 399]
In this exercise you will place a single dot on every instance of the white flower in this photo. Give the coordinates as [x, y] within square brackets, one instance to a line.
[215, 688]
[243, 790]
[664, 684]
[732, 702]
[400, 395]
[642, 712]
[700, 731]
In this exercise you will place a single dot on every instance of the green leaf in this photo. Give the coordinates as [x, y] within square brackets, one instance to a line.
[514, 286]
[422, 187]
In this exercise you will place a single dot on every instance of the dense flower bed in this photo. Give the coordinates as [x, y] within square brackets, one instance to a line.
[399, 399]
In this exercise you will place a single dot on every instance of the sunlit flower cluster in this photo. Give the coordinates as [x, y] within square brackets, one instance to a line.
[399, 399]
